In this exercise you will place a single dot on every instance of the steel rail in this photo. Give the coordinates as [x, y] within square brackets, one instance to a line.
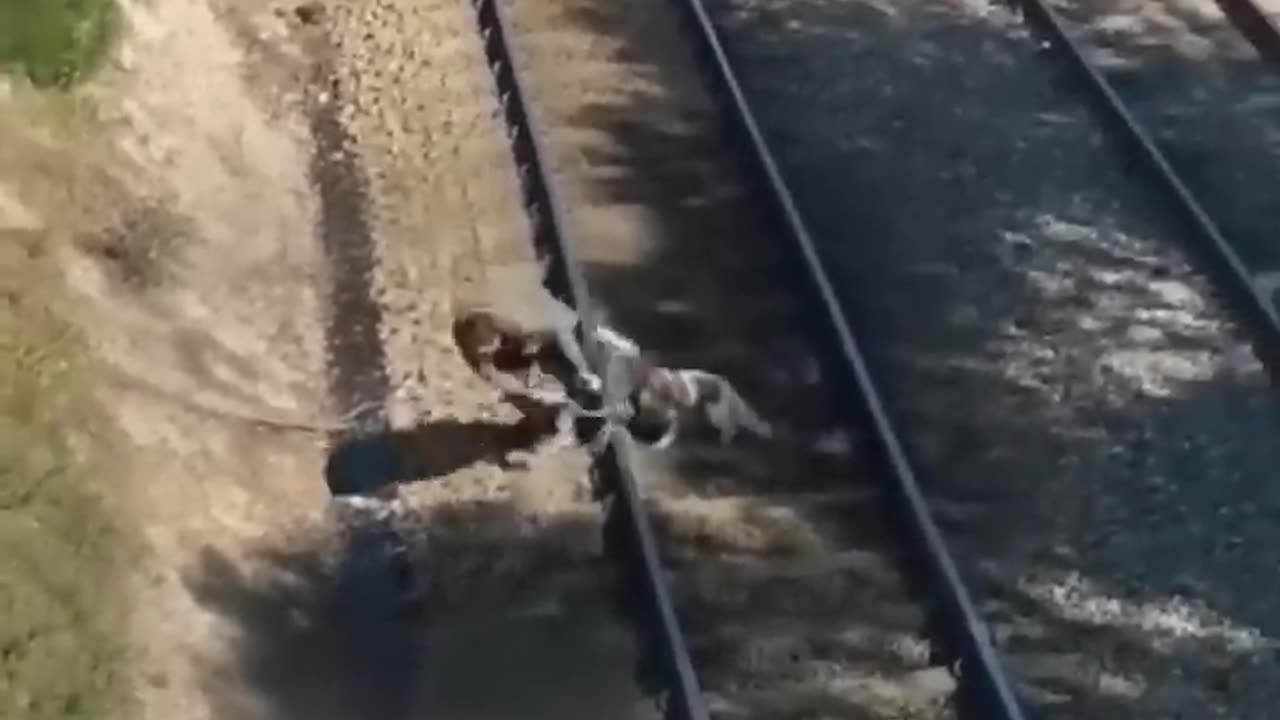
[1255, 24]
[1242, 286]
[970, 637]
[685, 701]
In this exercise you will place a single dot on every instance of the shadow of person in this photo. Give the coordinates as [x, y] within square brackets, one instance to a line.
[303, 630]
[375, 463]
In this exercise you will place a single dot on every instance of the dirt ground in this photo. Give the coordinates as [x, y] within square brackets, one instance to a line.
[195, 266]
[192, 249]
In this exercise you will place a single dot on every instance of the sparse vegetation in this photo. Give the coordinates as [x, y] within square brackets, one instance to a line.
[54, 43]
[58, 588]
[142, 248]
[55, 656]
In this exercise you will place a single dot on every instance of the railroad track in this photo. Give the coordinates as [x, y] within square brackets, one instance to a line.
[769, 581]
[629, 525]
[1256, 24]
[824, 563]
[1249, 282]
[1019, 268]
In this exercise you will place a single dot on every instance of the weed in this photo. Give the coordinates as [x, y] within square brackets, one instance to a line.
[58, 544]
[141, 250]
[54, 43]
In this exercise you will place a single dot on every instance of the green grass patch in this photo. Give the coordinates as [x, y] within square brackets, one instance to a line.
[54, 43]
[58, 658]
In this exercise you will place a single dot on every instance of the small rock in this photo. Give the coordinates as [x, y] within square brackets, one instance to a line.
[1144, 334]
[126, 59]
[934, 681]
[14, 214]
[157, 679]
[309, 13]
[834, 442]
[402, 414]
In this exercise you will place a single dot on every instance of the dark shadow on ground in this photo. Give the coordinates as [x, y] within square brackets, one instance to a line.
[303, 650]
[507, 614]
[512, 615]
[427, 451]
